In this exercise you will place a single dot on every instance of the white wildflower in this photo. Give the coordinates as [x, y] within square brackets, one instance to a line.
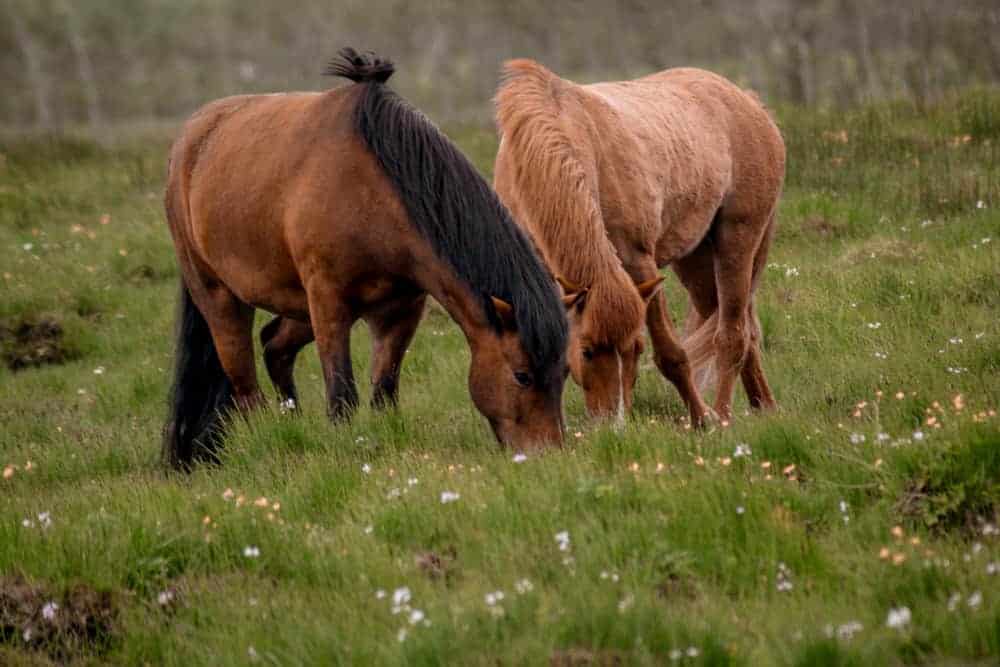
[625, 603]
[165, 597]
[857, 438]
[562, 538]
[401, 596]
[49, 610]
[401, 635]
[975, 600]
[416, 616]
[953, 601]
[742, 449]
[898, 618]
[783, 580]
[523, 586]
[449, 497]
[520, 458]
[251, 551]
[849, 629]
[366, 468]
[493, 598]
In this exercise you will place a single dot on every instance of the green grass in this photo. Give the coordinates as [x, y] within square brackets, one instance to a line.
[674, 543]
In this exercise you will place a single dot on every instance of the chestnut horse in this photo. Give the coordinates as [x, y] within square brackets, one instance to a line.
[617, 180]
[325, 208]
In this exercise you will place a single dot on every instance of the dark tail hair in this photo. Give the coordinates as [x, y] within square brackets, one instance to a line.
[201, 393]
[360, 67]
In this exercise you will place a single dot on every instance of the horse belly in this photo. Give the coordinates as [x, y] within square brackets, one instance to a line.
[244, 246]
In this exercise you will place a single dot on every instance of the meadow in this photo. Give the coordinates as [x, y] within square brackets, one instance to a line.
[858, 525]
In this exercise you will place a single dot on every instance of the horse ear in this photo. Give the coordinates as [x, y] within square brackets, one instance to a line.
[648, 288]
[567, 286]
[505, 312]
[573, 295]
[577, 299]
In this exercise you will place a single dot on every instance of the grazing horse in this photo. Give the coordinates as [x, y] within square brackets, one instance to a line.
[325, 208]
[617, 180]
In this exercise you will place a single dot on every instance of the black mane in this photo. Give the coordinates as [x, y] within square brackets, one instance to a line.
[463, 219]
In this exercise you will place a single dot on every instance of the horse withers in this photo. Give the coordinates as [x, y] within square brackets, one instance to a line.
[325, 208]
[616, 180]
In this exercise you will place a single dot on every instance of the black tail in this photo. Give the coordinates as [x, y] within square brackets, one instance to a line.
[201, 393]
[360, 67]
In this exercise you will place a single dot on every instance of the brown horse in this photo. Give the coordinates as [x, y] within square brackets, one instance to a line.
[326, 208]
[615, 181]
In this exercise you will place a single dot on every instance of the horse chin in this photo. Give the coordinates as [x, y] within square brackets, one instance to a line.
[522, 439]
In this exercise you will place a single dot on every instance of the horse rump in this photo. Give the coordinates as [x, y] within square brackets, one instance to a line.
[201, 392]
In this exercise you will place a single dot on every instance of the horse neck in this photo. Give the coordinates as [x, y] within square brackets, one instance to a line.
[556, 200]
[460, 302]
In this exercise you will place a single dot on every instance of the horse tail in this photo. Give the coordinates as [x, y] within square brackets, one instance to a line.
[699, 346]
[201, 392]
[360, 67]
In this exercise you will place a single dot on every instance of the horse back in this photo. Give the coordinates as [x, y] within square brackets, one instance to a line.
[268, 188]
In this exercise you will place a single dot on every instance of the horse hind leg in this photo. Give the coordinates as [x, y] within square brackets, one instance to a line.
[392, 331]
[754, 381]
[282, 339]
[231, 323]
[696, 271]
[736, 243]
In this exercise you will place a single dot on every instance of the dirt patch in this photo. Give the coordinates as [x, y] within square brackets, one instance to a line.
[823, 227]
[581, 657]
[675, 586]
[26, 343]
[437, 566]
[74, 622]
[893, 250]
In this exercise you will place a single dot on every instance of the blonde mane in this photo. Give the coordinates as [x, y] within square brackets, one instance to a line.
[556, 196]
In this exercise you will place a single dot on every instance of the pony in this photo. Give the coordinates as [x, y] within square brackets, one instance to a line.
[614, 181]
[325, 208]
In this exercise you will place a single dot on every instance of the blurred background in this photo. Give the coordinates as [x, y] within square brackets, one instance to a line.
[103, 62]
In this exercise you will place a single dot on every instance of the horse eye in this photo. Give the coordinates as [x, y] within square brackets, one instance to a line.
[523, 379]
[588, 354]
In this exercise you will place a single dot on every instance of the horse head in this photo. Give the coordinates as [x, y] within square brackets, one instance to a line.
[603, 359]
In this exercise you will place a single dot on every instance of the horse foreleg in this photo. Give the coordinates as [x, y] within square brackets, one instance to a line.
[331, 323]
[282, 340]
[392, 331]
[668, 353]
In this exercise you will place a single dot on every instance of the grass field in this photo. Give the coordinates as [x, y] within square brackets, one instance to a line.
[857, 526]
